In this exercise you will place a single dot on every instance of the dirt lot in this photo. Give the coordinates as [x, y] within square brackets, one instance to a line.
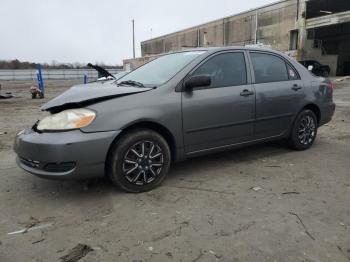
[262, 203]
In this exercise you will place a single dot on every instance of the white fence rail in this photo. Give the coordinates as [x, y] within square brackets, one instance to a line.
[51, 74]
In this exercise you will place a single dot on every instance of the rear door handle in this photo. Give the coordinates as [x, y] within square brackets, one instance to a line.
[296, 87]
[246, 92]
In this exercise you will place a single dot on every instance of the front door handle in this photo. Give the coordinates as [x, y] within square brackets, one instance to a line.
[296, 87]
[246, 92]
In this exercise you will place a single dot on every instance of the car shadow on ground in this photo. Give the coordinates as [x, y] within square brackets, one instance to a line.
[187, 169]
[238, 156]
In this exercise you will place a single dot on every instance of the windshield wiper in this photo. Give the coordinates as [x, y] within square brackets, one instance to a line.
[131, 83]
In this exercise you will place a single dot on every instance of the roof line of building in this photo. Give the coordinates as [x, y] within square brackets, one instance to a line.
[216, 20]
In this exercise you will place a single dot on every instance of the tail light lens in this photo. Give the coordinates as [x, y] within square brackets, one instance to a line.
[331, 86]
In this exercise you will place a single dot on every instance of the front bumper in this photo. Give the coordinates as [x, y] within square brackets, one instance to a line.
[63, 155]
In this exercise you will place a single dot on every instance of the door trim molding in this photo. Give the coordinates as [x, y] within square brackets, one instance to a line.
[238, 123]
[274, 117]
[220, 126]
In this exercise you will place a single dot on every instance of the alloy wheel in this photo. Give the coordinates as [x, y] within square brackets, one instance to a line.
[143, 162]
[307, 130]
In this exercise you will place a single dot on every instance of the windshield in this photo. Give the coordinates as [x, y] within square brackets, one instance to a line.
[162, 69]
[120, 74]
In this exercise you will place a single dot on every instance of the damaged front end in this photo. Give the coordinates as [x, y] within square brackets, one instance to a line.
[58, 147]
[83, 95]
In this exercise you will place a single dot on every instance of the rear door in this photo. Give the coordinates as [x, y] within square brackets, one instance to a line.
[223, 113]
[279, 94]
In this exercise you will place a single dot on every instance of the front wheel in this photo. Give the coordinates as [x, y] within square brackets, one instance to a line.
[304, 130]
[139, 161]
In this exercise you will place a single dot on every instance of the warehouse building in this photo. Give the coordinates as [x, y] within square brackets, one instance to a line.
[307, 30]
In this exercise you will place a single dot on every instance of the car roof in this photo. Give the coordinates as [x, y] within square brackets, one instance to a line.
[228, 48]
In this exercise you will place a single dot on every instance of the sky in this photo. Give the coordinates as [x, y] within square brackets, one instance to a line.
[99, 31]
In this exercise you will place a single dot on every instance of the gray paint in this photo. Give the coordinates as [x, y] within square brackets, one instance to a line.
[94, 91]
[89, 151]
[200, 121]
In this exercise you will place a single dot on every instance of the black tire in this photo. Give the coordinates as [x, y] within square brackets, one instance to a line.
[153, 163]
[33, 95]
[304, 130]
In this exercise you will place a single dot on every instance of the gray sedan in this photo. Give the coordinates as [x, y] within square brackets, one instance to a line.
[180, 105]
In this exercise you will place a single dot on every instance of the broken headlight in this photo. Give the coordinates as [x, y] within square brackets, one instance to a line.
[67, 120]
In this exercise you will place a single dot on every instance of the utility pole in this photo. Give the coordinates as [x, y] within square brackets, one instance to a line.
[133, 37]
[256, 27]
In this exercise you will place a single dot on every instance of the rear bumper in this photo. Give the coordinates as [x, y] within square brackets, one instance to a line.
[327, 113]
[63, 155]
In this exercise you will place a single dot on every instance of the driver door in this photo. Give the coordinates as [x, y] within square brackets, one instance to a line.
[223, 113]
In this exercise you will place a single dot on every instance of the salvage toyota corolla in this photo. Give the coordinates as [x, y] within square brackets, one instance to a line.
[180, 105]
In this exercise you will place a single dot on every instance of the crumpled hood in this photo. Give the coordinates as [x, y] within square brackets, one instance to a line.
[90, 93]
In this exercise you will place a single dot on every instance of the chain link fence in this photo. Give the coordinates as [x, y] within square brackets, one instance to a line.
[51, 74]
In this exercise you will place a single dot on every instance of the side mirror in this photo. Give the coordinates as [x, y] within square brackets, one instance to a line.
[197, 81]
[310, 68]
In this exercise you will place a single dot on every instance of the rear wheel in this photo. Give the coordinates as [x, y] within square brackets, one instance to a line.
[304, 130]
[139, 161]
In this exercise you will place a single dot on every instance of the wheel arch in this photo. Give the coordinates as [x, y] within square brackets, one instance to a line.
[146, 124]
[314, 108]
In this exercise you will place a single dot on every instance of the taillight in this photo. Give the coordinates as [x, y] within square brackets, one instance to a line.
[331, 86]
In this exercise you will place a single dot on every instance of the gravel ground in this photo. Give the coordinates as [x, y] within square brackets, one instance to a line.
[262, 203]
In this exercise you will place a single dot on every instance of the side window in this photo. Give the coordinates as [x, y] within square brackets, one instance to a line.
[268, 68]
[292, 74]
[227, 69]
